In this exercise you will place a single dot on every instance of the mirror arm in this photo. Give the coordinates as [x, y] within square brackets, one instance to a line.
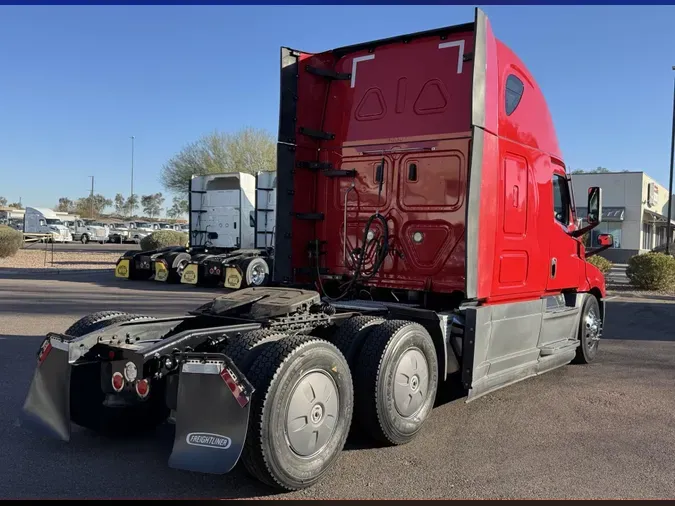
[582, 231]
[594, 251]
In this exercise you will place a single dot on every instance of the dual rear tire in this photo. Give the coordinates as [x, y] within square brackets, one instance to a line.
[375, 374]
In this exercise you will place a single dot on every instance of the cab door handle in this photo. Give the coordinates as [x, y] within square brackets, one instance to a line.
[554, 265]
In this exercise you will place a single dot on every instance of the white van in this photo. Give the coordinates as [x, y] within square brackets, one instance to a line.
[38, 220]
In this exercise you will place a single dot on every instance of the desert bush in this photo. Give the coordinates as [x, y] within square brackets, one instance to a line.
[10, 241]
[163, 239]
[652, 271]
[601, 263]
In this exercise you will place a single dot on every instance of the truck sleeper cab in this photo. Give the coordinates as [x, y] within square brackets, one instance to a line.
[428, 236]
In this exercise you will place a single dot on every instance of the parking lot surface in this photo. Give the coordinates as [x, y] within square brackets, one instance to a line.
[602, 430]
[108, 247]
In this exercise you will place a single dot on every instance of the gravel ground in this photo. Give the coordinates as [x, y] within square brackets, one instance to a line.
[36, 259]
[606, 430]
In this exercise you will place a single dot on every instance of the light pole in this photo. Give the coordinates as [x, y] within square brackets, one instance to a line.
[131, 210]
[670, 187]
[91, 198]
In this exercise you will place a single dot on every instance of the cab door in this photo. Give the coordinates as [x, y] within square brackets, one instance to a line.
[564, 260]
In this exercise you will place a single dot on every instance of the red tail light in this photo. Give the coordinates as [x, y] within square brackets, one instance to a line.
[117, 382]
[142, 388]
[44, 351]
[235, 387]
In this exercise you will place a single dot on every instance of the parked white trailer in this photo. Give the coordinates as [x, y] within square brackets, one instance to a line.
[231, 228]
[40, 220]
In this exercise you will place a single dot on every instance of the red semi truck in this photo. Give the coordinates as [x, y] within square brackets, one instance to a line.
[426, 235]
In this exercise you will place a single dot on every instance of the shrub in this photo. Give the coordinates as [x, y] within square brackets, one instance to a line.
[163, 239]
[601, 263]
[652, 271]
[10, 241]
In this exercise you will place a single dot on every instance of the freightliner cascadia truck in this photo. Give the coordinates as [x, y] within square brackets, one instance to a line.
[426, 236]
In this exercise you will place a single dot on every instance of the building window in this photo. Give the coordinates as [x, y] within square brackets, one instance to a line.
[646, 236]
[561, 200]
[607, 228]
[514, 92]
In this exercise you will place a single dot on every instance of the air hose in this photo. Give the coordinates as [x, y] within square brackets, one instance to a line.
[381, 255]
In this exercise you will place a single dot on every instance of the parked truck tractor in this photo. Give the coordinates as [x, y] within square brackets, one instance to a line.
[86, 231]
[229, 245]
[428, 240]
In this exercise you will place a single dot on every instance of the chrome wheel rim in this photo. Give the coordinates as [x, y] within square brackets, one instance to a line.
[592, 329]
[257, 274]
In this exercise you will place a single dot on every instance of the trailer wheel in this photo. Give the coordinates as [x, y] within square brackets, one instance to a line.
[350, 336]
[247, 348]
[87, 401]
[396, 380]
[590, 331]
[256, 272]
[300, 413]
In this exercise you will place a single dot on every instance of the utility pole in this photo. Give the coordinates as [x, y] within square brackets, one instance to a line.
[131, 210]
[669, 237]
[91, 198]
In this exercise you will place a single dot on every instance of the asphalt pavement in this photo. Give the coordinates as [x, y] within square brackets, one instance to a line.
[603, 430]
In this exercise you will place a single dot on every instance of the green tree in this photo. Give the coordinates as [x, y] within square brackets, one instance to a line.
[248, 150]
[152, 204]
[16, 205]
[119, 204]
[178, 208]
[92, 207]
[65, 205]
[131, 204]
[3, 201]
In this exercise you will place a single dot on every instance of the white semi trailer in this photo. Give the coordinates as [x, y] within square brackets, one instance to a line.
[232, 219]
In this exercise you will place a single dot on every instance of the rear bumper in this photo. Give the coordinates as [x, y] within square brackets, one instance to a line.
[210, 272]
[209, 393]
[134, 266]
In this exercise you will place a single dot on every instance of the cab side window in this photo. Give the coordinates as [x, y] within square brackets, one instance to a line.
[561, 200]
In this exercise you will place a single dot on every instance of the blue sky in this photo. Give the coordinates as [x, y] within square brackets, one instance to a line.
[77, 82]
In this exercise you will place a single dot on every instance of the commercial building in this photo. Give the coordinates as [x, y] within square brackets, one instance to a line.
[635, 211]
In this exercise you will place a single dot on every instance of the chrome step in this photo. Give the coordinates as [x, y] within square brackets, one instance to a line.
[558, 346]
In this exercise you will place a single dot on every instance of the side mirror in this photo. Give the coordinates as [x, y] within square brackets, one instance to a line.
[605, 240]
[594, 205]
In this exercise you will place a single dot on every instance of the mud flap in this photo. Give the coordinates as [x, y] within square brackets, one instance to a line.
[47, 406]
[161, 271]
[122, 269]
[213, 405]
